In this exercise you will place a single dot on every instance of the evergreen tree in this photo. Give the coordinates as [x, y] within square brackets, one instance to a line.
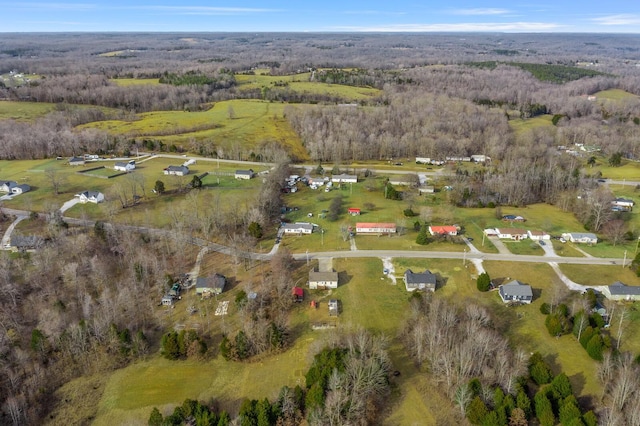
[422, 238]
[483, 282]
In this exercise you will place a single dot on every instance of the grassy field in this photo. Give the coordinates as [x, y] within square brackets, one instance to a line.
[521, 125]
[125, 82]
[599, 274]
[614, 95]
[629, 170]
[24, 111]
[250, 124]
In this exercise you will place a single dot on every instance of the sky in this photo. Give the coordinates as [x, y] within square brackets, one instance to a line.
[610, 16]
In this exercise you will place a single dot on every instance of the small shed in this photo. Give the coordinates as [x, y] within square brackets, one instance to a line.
[167, 300]
[333, 308]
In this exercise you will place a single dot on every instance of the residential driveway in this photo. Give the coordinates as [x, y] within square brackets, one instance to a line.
[548, 249]
[325, 264]
[66, 206]
[502, 249]
[6, 239]
[7, 197]
[573, 285]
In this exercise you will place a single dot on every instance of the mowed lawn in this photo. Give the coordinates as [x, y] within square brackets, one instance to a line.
[377, 305]
[24, 111]
[236, 124]
[615, 95]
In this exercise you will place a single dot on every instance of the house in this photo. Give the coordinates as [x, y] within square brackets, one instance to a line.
[375, 228]
[622, 204]
[323, 280]
[512, 234]
[427, 189]
[580, 237]
[538, 235]
[297, 228]
[344, 179]
[298, 294]
[404, 180]
[480, 158]
[167, 300]
[244, 174]
[443, 230]
[334, 308]
[515, 291]
[211, 285]
[125, 167]
[423, 160]
[94, 197]
[25, 243]
[491, 232]
[177, 170]
[621, 291]
[419, 281]
[458, 159]
[7, 186]
[353, 211]
[76, 161]
[20, 189]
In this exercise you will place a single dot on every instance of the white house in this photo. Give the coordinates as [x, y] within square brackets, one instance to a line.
[323, 280]
[244, 174]
[297, 228]
[423, 160]
[125, 167]
[621, 291]
[176, 170]
[622, 204]
[480, 158]
[419, 280]
[7, 186]
[580, 237]
[443, 230]
[344, 179]
[20, 189]
[512, 234]
[90, 197]
[538, 235]
[375, 228]
[427, 190]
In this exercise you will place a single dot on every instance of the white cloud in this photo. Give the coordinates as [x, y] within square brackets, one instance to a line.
[480, 11]
[459, 27]
[620, 19]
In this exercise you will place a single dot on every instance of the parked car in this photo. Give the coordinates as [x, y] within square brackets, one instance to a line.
[542, 243]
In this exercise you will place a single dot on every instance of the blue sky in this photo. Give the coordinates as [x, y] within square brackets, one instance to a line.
[612, 16]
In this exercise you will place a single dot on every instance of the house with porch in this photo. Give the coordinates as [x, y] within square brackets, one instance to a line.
[538, 235]
[94, 197]
[176, 170]
[512, 234]
[322, 280]
[210, 285]
[244, 174]
[123, 166]
[580, 237]
[375, 228]
[419, 280]
[621, 291]
[443, 230]
[297, 228]
[515, 291]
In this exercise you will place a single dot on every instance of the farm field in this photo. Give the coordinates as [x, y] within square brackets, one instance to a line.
[250, 124]
[614, 95]
[125, 82]
[521, 125]
[24, 111]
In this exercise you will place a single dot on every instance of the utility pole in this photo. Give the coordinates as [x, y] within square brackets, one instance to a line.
[625, 259]
[464, 258]
[307, 257]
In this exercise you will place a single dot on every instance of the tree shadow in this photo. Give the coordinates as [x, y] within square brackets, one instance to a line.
[441, 281]
[537, 293]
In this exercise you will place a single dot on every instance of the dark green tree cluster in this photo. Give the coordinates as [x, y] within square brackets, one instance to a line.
[286, 410]
[335, 208]
[255, 230]
[423, 236]
[553, 402]
[390, 192]
[191, 412]
[185, 344]
[587, 328]
[317, 377]
[223, 79]
[483, 282]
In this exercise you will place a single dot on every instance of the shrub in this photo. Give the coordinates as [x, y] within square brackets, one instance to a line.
[483, 282]
[594, 347]
[544, 410]
[409, 213]
[476, 411]
[545, 309]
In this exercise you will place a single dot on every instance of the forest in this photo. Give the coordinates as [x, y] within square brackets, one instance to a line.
[85, 304]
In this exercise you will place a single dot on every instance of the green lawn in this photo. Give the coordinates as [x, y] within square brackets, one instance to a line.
[24, 111]
[614, 95]
[599, 274]
[250, 124]
[629, 170]
[125, 82]
[521, 125]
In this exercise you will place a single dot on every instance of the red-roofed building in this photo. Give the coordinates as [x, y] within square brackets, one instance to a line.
[297, 293]
[353, 211]
[443, 230]
[375, 228]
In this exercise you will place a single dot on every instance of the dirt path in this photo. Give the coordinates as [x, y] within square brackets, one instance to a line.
[6, 239]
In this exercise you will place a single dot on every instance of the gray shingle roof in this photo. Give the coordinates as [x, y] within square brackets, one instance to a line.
[620, 289]
[425, 277]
